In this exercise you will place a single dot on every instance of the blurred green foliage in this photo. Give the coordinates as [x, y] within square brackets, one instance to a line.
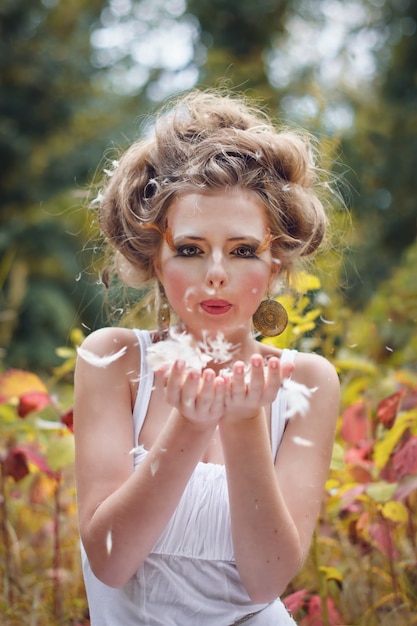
[69, 102]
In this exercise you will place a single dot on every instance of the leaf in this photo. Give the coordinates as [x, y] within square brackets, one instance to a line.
[395, 511]
[60, 453]
[67, 418]
[356, 364]
[15, 465]
[35, 457]
[381, 491]
[295, 601]
[332, 573]
[387, 409]
[337, 462]
[65, 353]
[15, 383]
[380, 534]
[384, 447]
[407, 487]
[405, 459]
[303, 282]
[355, 423]
[32, 401]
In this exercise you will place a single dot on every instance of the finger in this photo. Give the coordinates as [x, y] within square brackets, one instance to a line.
[218, 401]
[190, 389]
[174, 382]
[238, 385]
[273, 379]
[206, 392]
[257, 377]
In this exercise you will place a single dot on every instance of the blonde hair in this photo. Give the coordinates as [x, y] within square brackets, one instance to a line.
[205, 142]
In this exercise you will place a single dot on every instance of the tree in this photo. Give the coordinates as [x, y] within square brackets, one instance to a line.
[51, 134]
[383, 152]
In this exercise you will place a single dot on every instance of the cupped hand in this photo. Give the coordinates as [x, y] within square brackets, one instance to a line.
[247, 392]
[199, 397]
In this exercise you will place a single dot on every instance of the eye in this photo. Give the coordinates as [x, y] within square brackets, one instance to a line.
[244, 251]
[189, 250]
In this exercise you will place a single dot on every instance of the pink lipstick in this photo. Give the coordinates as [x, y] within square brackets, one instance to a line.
[215, 307]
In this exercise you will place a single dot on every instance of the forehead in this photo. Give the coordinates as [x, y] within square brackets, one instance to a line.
[228, 210]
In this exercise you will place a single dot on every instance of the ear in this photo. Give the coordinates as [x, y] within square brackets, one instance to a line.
[276, 268]
[157, 269]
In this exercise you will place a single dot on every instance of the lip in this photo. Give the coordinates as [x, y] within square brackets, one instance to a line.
[215, 307]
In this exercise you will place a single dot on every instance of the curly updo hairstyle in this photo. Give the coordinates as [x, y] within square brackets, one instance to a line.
[208, 142]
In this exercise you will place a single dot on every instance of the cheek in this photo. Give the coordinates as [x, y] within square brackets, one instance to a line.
[179, 289]
[256, 283]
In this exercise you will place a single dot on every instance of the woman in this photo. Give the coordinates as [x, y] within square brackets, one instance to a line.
[197, 502]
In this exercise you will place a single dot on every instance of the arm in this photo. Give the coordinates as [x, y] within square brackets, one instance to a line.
[274, 508]
[122, 512]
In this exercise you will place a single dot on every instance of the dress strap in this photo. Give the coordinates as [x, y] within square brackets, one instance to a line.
[279, 408]
[146, 381]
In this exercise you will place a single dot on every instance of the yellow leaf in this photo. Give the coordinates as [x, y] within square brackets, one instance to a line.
[15, 383]
[384, 447]
[302, 281]
[77, 336]
[332, 484]
[395, 511]
[332, 573]
[352, 363]
[337, 462]
[65, 353]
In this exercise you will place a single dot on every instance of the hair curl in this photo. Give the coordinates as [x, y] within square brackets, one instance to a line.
[207, 142]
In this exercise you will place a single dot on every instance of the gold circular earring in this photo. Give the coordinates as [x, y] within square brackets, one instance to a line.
[270, 318]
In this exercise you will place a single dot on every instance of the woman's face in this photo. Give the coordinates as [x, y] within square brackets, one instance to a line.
[215, 264]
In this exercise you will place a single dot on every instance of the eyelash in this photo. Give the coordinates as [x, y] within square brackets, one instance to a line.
[248, 251]
[181, 250]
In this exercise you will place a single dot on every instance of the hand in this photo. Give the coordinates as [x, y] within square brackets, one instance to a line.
[246, 395]
[199, 398]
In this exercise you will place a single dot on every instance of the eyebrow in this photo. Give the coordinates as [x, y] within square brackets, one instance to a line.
[246, 238]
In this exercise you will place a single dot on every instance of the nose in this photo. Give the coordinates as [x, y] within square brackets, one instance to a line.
[216, 275]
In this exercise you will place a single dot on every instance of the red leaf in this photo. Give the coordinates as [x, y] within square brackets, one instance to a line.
[348, 499]
[387, 409]
[315, 613]
[32, 401]
[407, 487]
[67, 418]
[15, 465]
[405, 460]
[380, 534]
[33, 455]
[355, 423]
[295, 601]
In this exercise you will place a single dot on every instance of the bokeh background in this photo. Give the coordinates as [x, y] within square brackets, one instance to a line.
[79, 77]
[78, 80]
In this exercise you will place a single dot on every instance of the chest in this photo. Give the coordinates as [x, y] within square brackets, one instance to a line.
[157, 415]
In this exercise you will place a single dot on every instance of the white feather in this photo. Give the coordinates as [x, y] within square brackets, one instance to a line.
[100, 361]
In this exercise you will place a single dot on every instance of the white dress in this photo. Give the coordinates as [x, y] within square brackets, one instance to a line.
[190, 576]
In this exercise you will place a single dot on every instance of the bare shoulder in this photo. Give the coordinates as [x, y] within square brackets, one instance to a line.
[108, 356]
[105, 341]
[319, 374]
[109, 347]
[314, 370]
